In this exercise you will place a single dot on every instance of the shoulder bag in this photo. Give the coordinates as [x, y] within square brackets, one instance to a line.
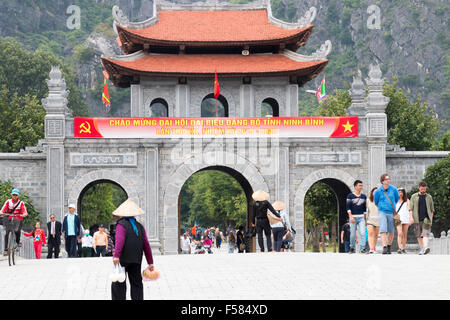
[396, 215]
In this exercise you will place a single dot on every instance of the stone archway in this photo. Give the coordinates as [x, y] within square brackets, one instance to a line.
[191, 165]
[299, 198]
[82, 181]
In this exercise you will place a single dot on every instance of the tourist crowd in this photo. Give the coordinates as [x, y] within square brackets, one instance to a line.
[387, 208]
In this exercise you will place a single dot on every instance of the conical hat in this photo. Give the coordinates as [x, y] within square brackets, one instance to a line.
[128, 209]
[279, 205]
[260, 195]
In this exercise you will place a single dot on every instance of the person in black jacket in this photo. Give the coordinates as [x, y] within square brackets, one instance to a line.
[130, 246]
[260, 215]
[54, 237]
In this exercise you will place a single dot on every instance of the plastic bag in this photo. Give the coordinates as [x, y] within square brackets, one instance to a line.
[118, 273]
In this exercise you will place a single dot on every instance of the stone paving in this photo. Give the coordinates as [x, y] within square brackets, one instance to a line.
[257, 276]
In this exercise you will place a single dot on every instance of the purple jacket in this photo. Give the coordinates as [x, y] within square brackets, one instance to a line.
[120, 241]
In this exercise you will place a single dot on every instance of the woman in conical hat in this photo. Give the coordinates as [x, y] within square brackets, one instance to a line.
[131, 244]
[278, 228]
[260, 220]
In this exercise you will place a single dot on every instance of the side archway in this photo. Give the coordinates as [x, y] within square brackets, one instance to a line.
[82, 181]
[339, 181]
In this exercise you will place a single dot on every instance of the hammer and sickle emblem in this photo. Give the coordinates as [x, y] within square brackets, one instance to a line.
[85, 127]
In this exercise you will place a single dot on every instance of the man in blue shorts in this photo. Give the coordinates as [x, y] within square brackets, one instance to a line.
[385, 199]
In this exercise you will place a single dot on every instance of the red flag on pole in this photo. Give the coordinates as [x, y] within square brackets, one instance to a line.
[216, 87]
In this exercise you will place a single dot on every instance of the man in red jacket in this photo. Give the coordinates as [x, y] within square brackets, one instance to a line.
[17, 207]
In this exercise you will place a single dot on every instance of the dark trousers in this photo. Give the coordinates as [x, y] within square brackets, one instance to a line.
[17, 236]
[100, 250]
[71, 246]
[278, 234]
[53, 246]
[263, 225]
[119, 289]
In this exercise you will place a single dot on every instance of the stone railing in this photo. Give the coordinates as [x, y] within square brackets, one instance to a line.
[440, 245]
[27, 249]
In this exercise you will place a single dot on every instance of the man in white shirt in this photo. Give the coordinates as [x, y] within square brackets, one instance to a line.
[185, 244]
[86, 244]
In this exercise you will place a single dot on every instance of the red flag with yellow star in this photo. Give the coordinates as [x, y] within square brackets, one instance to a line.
[346, 127]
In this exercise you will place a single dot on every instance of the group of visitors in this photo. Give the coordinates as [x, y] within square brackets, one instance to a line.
[275, 225]
[78, 241]
[387, 208]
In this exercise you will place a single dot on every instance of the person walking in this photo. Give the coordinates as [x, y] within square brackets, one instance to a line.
[17, 207]
[240, 240]
[38, 239]
[406, 219]
[278, 227]
[100, 243]
[231, 241]
[86, 244]
[422, 211]
[384, 198]
[356, 209]
[262, 224]
[185, 244]
[54, 237]
[71, 228]
[218, 236]
[131, 244]
[373, 226]
[345, 236]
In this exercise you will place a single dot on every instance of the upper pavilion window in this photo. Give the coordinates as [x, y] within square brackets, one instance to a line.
[159, 108]
[208, 107]
[270, 107]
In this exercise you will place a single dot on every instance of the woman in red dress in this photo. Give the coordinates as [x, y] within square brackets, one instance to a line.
[38, 239]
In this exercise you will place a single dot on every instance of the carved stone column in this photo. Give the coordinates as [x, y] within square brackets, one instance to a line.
[376, 125]
[55, 120]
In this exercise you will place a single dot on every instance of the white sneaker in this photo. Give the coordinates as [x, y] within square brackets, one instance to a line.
[421, 251]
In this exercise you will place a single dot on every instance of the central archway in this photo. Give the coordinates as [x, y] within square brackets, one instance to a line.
[237, 166]
[240, 179]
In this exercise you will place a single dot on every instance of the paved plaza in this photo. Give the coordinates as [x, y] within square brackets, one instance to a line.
[221, 276]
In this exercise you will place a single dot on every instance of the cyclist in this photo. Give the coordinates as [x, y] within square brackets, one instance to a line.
[16, 207]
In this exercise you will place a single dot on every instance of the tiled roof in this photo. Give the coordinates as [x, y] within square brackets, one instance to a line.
[206, 64]
[237, 26]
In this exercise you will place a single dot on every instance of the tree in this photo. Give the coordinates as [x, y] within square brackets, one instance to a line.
[410, 125]
[21, 121]
[320, 212]
[437, 177]
[99, 202]
[24, 72]
[5, 193]
[212, 198]
[335, 106]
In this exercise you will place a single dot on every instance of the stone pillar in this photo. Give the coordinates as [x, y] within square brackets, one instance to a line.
[182, 98]
[55, 119]
[291, 108]
[247, 104]
[358, 107]
[137, 108]
[376, 126]
[152, 197]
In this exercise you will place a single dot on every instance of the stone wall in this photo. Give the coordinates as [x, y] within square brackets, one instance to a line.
[407, 168]
[28, 172]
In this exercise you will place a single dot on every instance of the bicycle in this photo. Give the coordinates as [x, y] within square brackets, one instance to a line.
[11, 226]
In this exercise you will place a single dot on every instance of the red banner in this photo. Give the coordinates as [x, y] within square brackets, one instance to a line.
[281, 127]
